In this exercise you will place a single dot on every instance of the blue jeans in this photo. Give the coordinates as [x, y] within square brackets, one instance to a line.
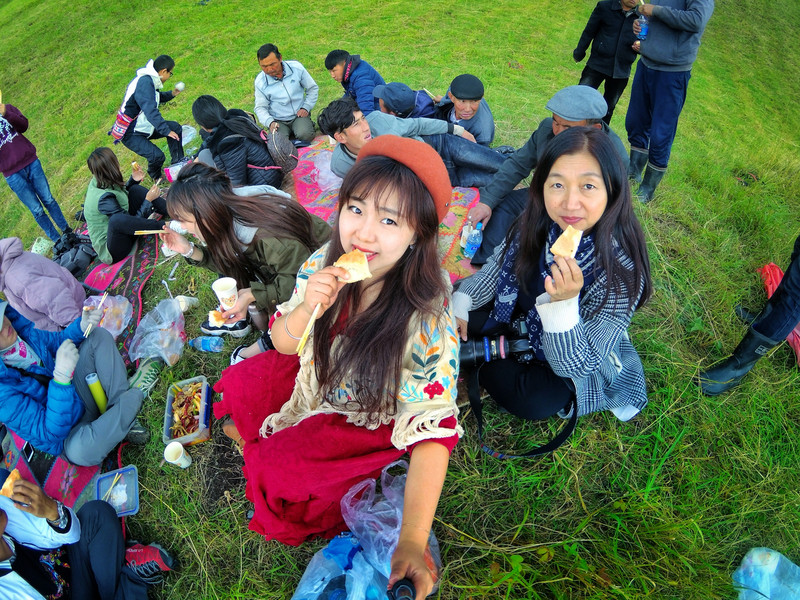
[782, 313]
[31, 186]
[657, 99]
[468, 164]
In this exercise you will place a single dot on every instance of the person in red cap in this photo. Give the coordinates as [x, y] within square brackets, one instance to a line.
[377, 375]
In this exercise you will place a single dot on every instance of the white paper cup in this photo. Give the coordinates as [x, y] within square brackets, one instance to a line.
[225, 289]
[176, 454]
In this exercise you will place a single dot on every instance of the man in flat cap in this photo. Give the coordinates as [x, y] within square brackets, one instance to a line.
[468, 164]
[465, 105]
[501, 204]
[399, 100]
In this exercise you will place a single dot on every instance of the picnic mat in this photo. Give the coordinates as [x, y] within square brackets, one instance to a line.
[126, 278]
[317, 189]
[60, 479]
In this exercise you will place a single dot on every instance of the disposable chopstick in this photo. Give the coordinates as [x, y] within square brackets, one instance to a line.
[89, 328]
[303, 338]
[147, 231]
[113, 483]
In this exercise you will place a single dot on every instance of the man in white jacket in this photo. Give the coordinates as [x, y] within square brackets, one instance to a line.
[46, 550]
[285, 94]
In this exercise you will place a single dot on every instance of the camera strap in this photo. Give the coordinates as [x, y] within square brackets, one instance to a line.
[475, 402]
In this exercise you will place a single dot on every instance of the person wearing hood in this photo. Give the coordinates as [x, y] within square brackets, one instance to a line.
[44, 397]
[235, 144]
[24, 174]
[38, 288]
[358, 78]
[140, 108]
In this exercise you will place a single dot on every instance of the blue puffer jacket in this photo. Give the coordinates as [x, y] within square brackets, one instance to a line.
[360, 78]
[41, 416]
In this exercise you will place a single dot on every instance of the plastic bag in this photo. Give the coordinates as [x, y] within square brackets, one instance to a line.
[326, 179]
[340, 571]
[375, 519]
[117, 312]
[767, 574]
[160, 334]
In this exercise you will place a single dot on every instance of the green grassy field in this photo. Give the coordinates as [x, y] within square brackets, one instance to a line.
[664, 506]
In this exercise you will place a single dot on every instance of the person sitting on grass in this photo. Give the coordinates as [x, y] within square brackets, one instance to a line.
[358, 78]
[577, 310]
[465, 105]
[259, 240]
[377, 377]
[235, 144]
[44, 397]
[401, 101]
[114, 210]
[47, 551]
[768, 329]
[468, 163]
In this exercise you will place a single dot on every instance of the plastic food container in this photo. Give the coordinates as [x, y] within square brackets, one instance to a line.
[122, 495]
[203, 432]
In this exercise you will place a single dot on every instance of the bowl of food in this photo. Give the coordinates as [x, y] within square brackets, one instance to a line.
[187, 412]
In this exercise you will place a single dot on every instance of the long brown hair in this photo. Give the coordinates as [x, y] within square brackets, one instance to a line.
[370, 354]
[206, 194]
[103, 164]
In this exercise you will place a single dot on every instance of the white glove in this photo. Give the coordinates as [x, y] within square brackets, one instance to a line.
[66, 360]
[91, 316]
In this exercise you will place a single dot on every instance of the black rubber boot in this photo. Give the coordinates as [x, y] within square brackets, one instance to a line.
[728, 373]
[637, 164]
[652, 177]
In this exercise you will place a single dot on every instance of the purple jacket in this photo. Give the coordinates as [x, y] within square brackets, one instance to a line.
[16, 152]
[39, 289]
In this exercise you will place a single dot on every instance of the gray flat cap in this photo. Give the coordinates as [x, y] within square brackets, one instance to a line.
[578, 102]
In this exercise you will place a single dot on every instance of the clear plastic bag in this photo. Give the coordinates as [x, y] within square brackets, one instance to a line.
[117, 312]
[375, 519]
[767, 574]
[160, 334]
[326, 179]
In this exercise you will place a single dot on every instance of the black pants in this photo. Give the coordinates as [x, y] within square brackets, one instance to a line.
[140, 144]
[529, 391]
[97, 560]
[612, 90]
[119, 237]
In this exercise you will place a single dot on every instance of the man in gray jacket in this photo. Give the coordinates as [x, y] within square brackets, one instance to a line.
[660, 84]
[501, 204]
[468, 164]
[285, 94]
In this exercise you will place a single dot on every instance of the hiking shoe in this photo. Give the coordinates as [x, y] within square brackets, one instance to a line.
[236, 356]
[146, 375]
[238, 329]
[138, 434]
[149, 562]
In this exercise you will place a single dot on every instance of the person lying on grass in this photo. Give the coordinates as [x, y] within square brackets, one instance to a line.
[377, 377]
[44, 397]
[577, 310]
[114, 210]
[260, 241]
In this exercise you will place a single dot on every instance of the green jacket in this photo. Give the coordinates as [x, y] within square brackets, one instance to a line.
[97, 221]
[279, 260]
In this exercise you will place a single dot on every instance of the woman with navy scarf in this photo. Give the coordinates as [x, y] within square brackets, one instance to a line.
[577, 310]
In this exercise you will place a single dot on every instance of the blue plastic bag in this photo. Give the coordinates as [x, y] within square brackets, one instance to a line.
[767, 575]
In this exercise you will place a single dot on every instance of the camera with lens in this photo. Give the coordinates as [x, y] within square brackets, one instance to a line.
[476, 351]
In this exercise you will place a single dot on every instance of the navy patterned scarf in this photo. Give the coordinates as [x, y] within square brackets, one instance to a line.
[508, 287]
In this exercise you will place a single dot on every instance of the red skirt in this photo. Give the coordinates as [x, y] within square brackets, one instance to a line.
[297, 476]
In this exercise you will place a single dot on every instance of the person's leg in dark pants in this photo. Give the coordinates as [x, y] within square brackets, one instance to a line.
[175, 146]
[612, 92]
[782, 313]
[503, 216]
[532, 392]
[640, 109]
[469, 164]
[97, 559]
[669, 91]
[120, 239]
[139, 143]
[137, 197]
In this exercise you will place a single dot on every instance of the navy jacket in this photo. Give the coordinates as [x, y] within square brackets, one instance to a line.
[359, 82]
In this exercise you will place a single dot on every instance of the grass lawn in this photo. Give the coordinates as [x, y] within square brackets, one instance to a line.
[664, 506]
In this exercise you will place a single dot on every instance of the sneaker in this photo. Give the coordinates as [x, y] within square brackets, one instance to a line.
[149, 562]
[138, 434]
[146, 375]
[238, 329]
[236, 356]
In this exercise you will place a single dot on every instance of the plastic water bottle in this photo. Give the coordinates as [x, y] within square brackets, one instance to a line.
[474, 241]
[465, 232]
[207, 343]
[644, 23]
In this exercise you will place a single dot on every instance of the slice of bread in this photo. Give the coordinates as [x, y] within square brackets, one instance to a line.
[356, 264]
[567, 243]
[215, 318]
[8, 486]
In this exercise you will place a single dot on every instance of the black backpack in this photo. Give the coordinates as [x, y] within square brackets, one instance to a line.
[74, 252]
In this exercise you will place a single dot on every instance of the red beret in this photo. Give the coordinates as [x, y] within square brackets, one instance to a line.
[423, 160]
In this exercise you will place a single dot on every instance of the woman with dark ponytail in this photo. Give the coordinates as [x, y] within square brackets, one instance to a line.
[235, 144]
